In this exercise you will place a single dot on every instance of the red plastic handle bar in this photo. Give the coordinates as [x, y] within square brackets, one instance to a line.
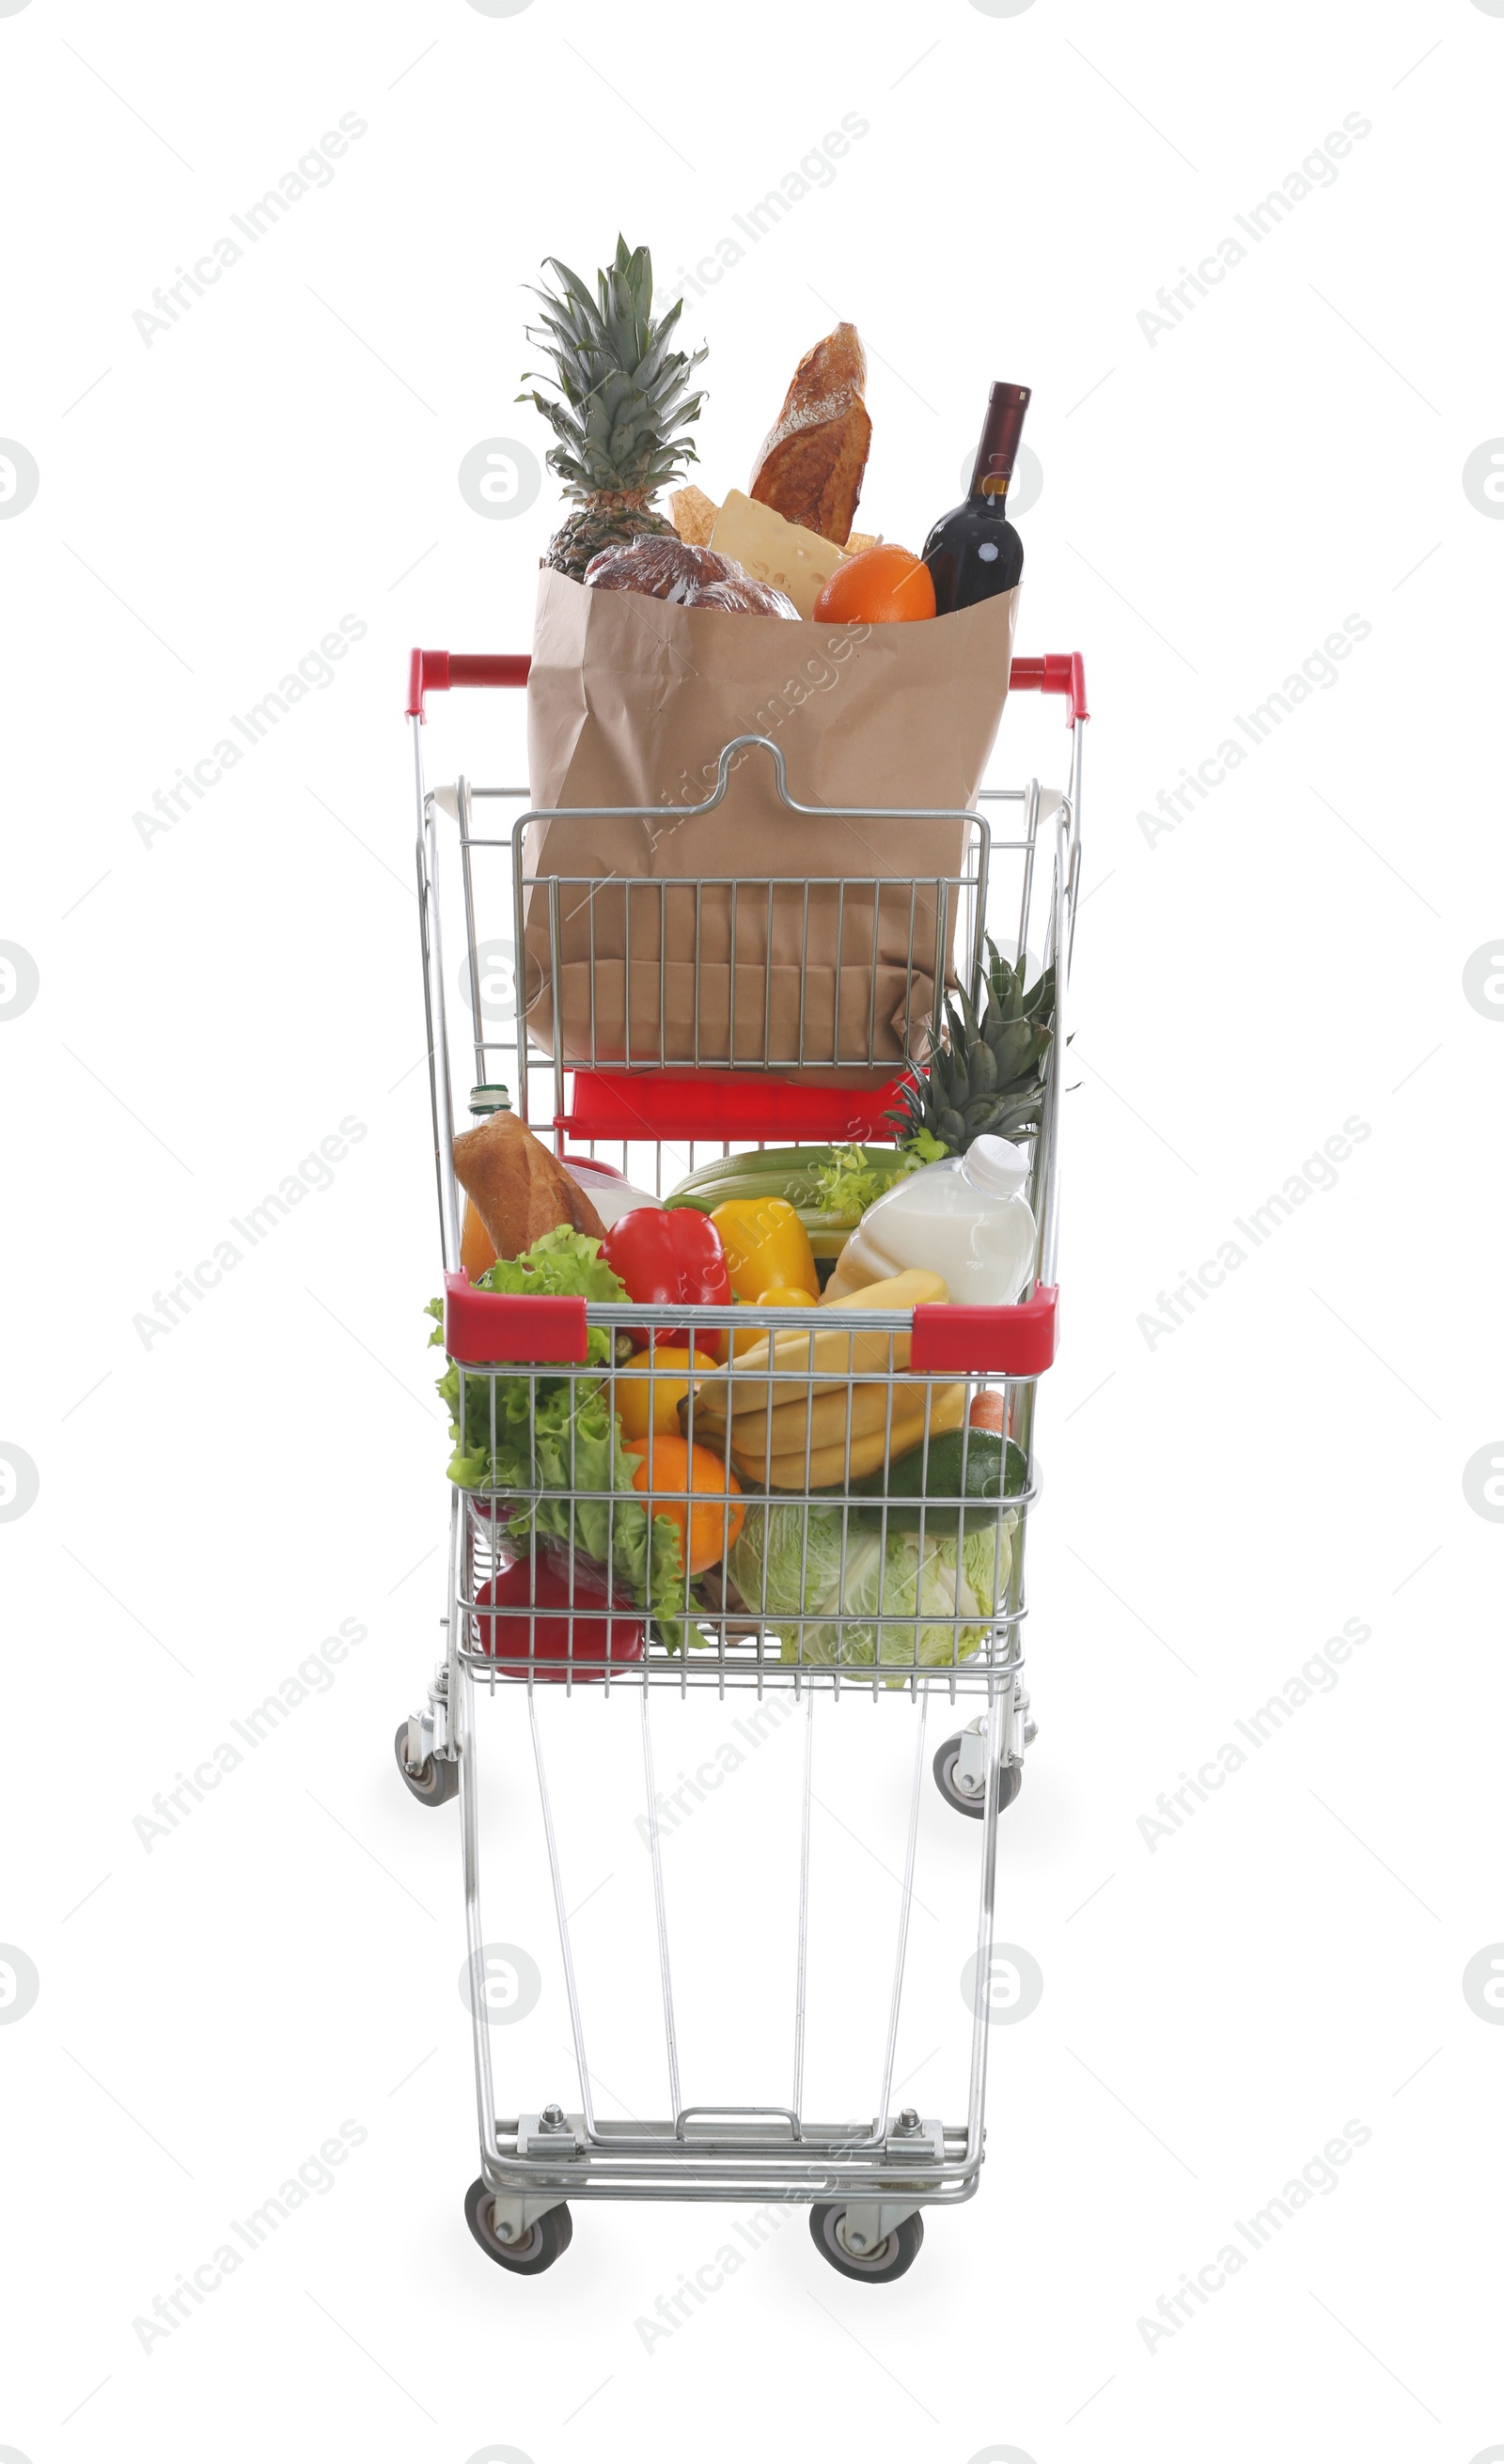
[952, 1342]
[1058, 672]
[436, 671]
[662, 1105]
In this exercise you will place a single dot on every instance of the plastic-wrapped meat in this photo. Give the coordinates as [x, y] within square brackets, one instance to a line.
[688, 577]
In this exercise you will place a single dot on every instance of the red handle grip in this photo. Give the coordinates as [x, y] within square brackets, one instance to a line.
[958, 1341]
[512, 1326]
[436, 671]
[1058, 672]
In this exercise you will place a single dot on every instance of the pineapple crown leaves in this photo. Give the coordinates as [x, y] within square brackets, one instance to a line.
[983, 1075]
[621, 391]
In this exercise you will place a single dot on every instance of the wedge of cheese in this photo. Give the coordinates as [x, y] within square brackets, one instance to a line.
[773, 550]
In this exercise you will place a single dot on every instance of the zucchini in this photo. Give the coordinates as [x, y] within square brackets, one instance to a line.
[771, 1172]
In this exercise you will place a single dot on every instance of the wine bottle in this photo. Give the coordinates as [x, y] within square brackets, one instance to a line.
[975, 552]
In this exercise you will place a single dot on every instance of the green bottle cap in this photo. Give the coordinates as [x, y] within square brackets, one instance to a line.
[485, 1100]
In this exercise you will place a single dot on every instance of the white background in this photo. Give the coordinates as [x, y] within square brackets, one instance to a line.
[1217, 2005]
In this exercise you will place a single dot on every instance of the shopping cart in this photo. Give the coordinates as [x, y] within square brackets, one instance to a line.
[555, 1622]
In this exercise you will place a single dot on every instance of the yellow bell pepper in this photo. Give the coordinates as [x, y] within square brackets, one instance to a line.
[765, 1245]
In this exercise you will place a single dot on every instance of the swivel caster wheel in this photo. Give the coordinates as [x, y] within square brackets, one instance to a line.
[547, 2238]
[894, 2255]
[433, 1782]
[965, 1800]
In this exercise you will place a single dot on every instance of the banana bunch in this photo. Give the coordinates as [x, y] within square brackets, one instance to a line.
[818, 1407]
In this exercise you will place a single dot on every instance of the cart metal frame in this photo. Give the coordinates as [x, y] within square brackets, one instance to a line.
[869, 2181]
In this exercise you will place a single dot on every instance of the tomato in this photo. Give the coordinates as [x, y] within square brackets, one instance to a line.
[705, 1532]
[579, 1638]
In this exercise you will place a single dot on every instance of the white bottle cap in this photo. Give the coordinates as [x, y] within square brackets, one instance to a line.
[996, 1167]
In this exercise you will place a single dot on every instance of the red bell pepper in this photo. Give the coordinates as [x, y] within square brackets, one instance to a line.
[666, 1255]
[579, 1641]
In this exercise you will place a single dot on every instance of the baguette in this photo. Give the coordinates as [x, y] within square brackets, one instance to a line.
[810, 467]
[519, 1190]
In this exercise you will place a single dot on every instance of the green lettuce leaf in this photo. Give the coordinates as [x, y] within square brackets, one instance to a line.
[564, 1261]
[855, 1177]
[546, 1437]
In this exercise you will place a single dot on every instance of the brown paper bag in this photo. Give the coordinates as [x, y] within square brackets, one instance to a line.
[750, 933]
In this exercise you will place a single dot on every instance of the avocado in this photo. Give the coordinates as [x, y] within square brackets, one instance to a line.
[986, 1473]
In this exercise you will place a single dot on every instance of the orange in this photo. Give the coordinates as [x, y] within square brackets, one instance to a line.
[643, 1401]
[883, 585]
[705, 1532]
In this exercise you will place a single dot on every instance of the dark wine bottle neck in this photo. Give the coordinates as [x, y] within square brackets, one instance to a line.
[998, 449]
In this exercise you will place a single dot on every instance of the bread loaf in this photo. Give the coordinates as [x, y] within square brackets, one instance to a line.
[810, 467]
[519, 1190]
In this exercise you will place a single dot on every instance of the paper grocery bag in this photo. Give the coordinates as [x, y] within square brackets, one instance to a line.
[750, 933]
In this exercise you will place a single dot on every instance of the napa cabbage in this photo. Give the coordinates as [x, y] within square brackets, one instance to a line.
[870, 1600]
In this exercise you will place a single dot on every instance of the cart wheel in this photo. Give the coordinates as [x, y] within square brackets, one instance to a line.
[547, 2238]
[893, 2256]
[435, 1782]
[1010, 1779]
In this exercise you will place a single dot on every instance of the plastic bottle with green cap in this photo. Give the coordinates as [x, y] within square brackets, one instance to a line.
[476, 1250]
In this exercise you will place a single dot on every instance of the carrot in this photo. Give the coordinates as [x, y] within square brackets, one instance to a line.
[989, 1410]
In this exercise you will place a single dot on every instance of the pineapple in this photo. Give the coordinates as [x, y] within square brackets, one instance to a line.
[625, 393]
[984, 1079]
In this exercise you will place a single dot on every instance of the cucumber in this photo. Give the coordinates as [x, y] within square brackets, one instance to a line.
[992, 1470]
[767, 1172]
